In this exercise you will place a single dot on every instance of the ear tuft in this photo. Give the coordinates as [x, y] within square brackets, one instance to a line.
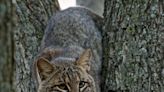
[44, 68]
[84, 60]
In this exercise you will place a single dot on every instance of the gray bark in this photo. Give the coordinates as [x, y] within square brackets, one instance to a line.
[133, 46]
[32, 16]
[7, 63]
[96, 6]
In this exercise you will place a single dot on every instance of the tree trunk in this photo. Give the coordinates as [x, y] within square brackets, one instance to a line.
[96, 5]
[32, 16]
[132, 40]
[6, 46]
[133, 43]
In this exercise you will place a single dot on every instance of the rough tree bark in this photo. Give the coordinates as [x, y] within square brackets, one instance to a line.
[133, 42]
[7, 63]
[96, 5]
[32, 16]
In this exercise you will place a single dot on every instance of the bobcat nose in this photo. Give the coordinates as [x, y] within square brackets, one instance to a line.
[75, 90]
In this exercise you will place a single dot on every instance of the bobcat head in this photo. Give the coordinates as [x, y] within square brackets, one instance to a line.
[65, 76]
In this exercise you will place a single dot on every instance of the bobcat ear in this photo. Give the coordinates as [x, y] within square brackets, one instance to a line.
[44, 68]
[84, 60]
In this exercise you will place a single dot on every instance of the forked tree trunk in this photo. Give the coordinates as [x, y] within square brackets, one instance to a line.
[7, 63]
[133, 43]
[132, 40]
[32, 16]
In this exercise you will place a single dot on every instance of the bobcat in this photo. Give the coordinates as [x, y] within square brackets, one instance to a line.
[70, 56]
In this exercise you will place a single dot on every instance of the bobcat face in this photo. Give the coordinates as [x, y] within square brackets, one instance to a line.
[64, 76]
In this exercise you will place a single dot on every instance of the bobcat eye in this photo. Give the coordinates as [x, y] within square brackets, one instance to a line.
[62, 86]
[82, 84]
